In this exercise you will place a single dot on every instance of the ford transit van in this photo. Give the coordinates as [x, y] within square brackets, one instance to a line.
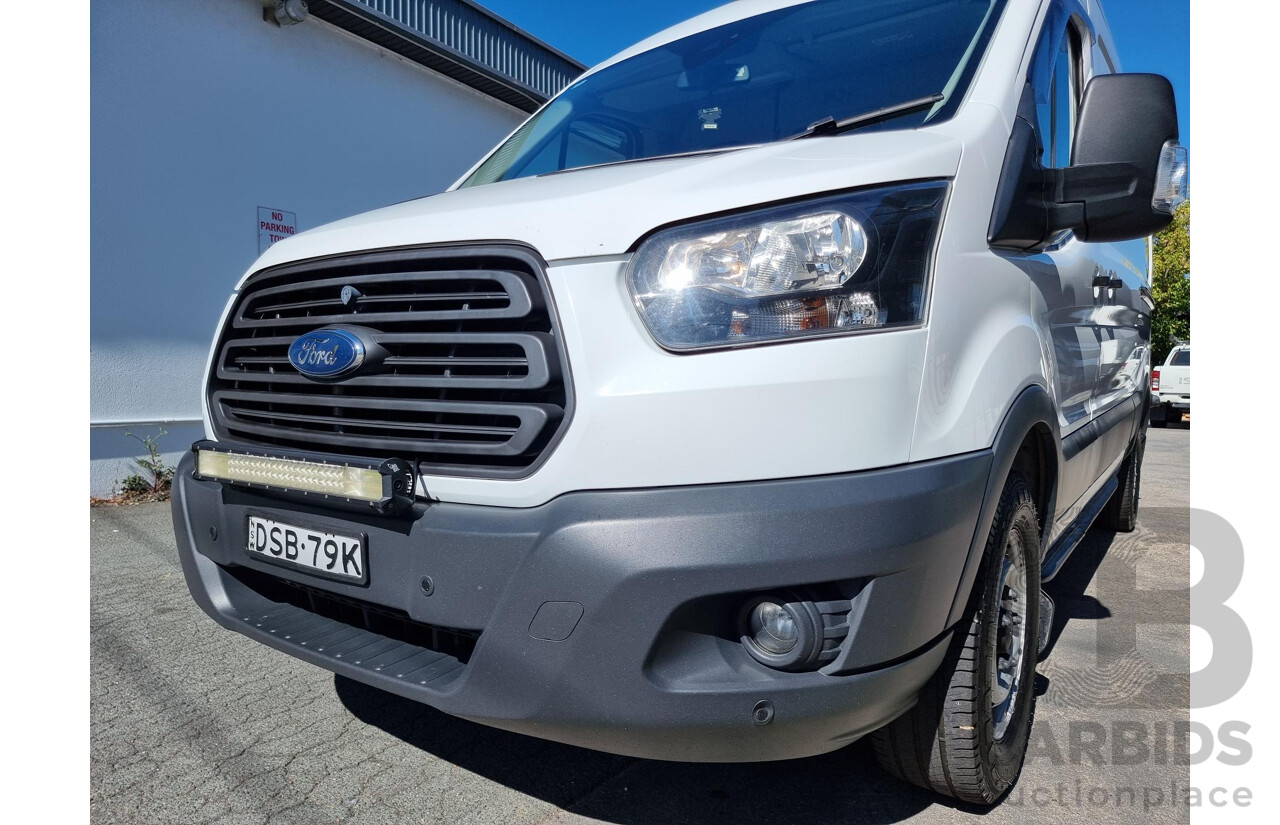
[735, 407]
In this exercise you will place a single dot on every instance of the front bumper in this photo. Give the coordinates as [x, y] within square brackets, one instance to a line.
[605, 619]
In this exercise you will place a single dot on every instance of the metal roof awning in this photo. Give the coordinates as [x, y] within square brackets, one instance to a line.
[461, 40]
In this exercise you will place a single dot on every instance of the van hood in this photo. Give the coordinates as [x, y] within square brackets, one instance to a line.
[605, 210]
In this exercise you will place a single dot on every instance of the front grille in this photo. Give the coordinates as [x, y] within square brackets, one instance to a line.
[472, 382]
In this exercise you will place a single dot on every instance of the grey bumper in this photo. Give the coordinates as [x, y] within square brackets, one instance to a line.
[604, 619]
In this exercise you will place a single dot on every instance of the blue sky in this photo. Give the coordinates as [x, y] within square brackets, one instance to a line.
[1150, 35]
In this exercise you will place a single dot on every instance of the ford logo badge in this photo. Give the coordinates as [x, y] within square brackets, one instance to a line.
[327, 354]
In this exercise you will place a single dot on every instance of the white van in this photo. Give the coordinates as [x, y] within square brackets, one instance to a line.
[733, 408]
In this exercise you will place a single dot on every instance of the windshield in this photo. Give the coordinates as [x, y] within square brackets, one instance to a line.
[757, 80]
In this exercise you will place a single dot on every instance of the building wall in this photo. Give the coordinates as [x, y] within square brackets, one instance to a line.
[201, 113]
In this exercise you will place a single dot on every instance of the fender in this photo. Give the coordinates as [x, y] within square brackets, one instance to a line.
[1031, 409]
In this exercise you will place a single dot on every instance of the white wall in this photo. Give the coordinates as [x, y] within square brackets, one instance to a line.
[201, 113]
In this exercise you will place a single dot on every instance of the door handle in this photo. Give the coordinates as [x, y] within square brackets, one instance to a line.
[1108, 281]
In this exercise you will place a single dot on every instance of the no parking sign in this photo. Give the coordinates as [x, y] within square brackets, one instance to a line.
[274, 225]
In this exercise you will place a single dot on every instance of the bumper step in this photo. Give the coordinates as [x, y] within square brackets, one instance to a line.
[354, 647]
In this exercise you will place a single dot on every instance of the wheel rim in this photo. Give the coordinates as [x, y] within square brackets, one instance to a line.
[1011, 635]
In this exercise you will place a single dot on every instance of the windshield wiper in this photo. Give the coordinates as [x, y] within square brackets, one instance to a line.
[831, 126]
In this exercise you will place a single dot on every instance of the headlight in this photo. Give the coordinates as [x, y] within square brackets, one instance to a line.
[841, 264]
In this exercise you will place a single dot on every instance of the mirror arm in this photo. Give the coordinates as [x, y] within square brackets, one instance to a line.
[1062, 215]
[1085, 182]
[1092, 183]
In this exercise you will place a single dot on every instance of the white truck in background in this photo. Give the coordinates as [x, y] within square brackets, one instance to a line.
[1171, 387]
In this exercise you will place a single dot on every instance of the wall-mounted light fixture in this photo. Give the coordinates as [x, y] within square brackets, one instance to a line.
[284, 12]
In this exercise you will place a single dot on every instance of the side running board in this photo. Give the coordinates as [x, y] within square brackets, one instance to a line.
[1067, 542]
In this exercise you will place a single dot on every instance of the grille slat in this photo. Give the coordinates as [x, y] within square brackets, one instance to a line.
[405, 360]
[461, 361]
[431, 297]
[368, 318]
[447, 362]
[448, 297]
[293, 380]
[370, 445]
[405, 405]
[464, 372]
[504, 433]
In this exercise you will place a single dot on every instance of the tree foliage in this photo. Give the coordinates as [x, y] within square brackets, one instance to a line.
[1171, 285]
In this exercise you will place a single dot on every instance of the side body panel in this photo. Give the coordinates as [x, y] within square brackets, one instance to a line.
[985, 345]
[1003, 321]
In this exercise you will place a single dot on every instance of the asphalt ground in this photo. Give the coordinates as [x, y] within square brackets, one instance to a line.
[191, 723]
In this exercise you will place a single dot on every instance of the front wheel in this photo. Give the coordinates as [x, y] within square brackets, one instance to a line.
[967, 736]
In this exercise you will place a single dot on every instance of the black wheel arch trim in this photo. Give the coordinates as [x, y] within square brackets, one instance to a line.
[1032, 407]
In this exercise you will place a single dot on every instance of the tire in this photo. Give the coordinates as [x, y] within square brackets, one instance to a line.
[1121, 511]
[956, 741]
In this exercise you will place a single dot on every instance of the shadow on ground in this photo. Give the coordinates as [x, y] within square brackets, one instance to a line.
[845, 786]
[1068, 588]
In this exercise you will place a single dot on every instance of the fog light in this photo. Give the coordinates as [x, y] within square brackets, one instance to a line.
[384, 485]
[780, 632]
[789, 632]
[773, 628]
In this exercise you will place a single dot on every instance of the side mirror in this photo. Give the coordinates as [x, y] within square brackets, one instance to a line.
[1127, 169]
[1128, 174]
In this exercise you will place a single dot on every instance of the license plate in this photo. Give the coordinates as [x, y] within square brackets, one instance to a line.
[331, 555]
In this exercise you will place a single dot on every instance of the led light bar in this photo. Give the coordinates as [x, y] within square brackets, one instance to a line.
[383, 485]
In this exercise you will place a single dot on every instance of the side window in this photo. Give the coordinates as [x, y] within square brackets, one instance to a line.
[1058, 82]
